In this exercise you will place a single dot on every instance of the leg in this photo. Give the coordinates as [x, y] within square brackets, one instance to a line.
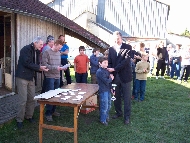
[178, 68]
[109, 105]
[75, 124]
[137, 89]
[41, 122]
[117, 102]
[22, 92]
[172, 68]
[56, 85]
[68, 76]
[44, 83]
[30, 103]
[134, 78]
[142, 89]
[163, 68]
[77, 77]
[183, 67]
[84, 78]
[127, 99]
[93, 79]
[103, 106]
[158, 67]
[187, 72]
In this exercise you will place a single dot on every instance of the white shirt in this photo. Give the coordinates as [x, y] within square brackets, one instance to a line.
[117, 48]
[185, 61]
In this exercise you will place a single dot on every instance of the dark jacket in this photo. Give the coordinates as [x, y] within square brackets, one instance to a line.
[27, 64]
[94, 65]
[121, 64]
[164, 53]
[104, 80]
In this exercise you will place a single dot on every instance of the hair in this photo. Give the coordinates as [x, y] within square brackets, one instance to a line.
[95, 49]
[144, 54]
[102, 58]
[81, 47]
[58, 42]
[117, 33]
[61, 36]
[142, 45]
[49, 38]
[106, 52]
[37, 39]
[179, 45]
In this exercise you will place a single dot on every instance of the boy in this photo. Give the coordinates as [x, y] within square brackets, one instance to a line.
[81, 66]
[142, 69]
[104, 81]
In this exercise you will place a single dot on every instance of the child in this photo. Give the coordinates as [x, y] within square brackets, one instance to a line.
[104, 81]
[142, 69]
[81, 66]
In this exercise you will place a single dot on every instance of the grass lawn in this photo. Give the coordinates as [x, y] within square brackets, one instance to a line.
[164, 117]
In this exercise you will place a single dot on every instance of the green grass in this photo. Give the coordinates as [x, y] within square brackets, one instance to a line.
[162, 118]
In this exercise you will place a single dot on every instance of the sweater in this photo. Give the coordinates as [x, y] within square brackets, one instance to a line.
[140, 66]
[52, 60]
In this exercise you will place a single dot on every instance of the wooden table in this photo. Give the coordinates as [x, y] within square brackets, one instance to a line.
[90, 89]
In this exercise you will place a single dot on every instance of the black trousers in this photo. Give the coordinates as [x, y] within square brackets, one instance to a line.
[67, 73]
[161, 65]
[185, 69]
[123, 91]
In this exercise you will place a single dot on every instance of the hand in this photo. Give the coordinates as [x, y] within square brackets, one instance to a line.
[110, 69]
[112, 77]
[60, 68]
[43, 68]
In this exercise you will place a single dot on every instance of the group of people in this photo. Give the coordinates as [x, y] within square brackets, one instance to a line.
[120, 65]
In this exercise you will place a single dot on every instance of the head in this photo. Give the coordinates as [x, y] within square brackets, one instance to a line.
[117, 37]
[144, 56]
[96, 51]
[142, 47]
[161, 44]
[57, 45]
[38, 43]
[106, 53]
[103, 62]
[81, 50]
[169, 47]
[62, 37]
[50, 41]
[178, 46]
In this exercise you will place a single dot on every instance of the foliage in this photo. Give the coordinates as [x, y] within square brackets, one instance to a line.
[186, 33]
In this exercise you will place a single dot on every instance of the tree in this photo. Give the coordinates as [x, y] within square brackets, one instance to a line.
[186, 33]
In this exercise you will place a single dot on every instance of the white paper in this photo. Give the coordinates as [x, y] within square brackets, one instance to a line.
[81, 92]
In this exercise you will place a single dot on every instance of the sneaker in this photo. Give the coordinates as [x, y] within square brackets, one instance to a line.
[57, 114]
[104, 123]
[162, 77]
[31, 120]
[185, 81]
[49, 118]
[156, 77]
[19, 125]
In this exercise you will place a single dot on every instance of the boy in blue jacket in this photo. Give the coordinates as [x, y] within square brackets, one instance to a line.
[104, 81]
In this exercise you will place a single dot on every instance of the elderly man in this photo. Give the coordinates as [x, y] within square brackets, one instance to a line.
[119, 63]
[28, 65]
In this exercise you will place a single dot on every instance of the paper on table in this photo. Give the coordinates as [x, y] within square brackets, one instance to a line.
[81, 92]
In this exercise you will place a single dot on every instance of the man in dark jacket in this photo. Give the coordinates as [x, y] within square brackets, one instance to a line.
[28, 64]
[119, 63]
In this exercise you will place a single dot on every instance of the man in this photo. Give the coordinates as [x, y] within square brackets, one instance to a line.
[49, 45]
[64, 61]
[119, 63]
[28, 64]
[51, 58]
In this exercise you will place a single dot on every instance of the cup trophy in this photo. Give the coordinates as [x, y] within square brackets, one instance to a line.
[113, 92]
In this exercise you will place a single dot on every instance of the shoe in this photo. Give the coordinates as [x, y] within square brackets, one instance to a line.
[185, 81]
[31, 120]
[162, 77]
[156, 77]
[116, 116]
[108, 119]
[126, 122]
[57, 114]
[104, 123]
[49, 118]
[19, 125]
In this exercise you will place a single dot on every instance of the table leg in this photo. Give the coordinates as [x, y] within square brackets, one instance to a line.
[41, 122]
[75, 124]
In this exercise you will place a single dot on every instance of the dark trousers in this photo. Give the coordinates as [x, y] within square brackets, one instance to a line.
[81, 77]
[51, 84]
[125, 89]
[161, 65]
[93, 79]
[185, 69]
[67, 73]
[44, 84]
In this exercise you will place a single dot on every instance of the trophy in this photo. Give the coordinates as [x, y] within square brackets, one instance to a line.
[113, 92]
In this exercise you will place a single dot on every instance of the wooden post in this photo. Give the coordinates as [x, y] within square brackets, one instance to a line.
[75, 124]
[41, 122]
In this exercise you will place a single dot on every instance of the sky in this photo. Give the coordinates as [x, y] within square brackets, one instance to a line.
[178, 19]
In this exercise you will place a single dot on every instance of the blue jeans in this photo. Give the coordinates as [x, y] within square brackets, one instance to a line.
[175, 67]
[81, 77]
[140, 86]
[51, 84]
[105, 105]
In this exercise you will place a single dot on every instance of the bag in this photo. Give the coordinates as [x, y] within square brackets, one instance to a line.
[116, 79]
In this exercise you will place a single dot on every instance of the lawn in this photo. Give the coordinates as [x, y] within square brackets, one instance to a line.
[164, 117]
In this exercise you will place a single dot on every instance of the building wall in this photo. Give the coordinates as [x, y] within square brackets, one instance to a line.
[140, 18]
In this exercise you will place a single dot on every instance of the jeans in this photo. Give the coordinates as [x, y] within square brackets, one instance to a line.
[175, 67]
[140, 86]
[81, 77]
[105, 105]
[51, 84]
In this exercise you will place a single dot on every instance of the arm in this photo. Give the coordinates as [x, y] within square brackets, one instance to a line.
[65, 50]
[148, 69]
[93, 61]
[103, 78]
[87, 67]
